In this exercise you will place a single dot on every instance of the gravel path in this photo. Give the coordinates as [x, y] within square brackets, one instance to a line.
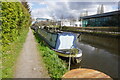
[29, 63]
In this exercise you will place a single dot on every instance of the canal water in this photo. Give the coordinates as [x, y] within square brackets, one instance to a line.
[98, 58]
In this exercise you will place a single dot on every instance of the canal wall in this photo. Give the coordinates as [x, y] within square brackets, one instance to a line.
[106, 37]
[103, 29]
[105, 41]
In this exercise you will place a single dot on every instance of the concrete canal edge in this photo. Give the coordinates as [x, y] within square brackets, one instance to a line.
[105, 41]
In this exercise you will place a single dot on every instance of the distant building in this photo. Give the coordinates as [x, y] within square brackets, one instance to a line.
[58, 23]
[66, 22]
[70, 23]
[42, 19]
[77, 23]
[105, 19]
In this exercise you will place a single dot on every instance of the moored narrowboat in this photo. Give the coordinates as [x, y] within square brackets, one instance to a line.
[64, 43]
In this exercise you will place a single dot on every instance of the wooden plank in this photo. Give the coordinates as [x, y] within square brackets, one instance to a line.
[85, 73]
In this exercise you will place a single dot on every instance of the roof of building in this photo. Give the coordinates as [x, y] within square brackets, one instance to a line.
[101, 15]
[42, 19]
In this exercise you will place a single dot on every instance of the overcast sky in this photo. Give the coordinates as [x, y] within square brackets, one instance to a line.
[67, 8]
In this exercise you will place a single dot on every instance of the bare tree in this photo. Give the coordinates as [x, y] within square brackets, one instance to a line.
[100, 9]
[119, 5]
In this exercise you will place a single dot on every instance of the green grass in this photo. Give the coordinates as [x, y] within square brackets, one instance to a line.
[56, 67]
[9, 56]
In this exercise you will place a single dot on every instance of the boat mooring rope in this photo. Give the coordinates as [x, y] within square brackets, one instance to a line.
[69, 62]
[70, 59]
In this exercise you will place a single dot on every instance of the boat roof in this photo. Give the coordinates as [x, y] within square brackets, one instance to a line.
[66, 33]
[59, 32]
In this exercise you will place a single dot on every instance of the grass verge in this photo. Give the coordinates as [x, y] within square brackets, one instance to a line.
[11, 53]
[56, 67]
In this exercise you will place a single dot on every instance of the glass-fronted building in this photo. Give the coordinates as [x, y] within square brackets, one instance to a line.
[110, 19]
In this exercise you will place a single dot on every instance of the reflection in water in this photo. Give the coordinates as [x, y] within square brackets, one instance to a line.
[98, 59]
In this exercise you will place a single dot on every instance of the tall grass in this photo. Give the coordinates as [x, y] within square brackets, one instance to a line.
[10, 55]
[56, 67]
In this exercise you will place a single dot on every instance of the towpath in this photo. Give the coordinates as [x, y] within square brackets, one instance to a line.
[29, 63]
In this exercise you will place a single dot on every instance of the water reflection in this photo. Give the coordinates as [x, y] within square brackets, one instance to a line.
[98, 59]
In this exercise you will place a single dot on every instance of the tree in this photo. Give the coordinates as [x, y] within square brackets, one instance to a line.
[100, 9]
[25, 4]
[119, 5]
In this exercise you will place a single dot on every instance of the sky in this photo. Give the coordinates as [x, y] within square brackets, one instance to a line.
[66, 8]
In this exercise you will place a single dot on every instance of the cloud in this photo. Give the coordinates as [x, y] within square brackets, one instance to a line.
[70, 9]
[91, 7]
[42, 12]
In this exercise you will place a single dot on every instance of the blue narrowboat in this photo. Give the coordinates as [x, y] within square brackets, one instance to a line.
[64, 43]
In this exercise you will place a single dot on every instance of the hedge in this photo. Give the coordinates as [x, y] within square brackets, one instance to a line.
[14, 18]
[15, 21]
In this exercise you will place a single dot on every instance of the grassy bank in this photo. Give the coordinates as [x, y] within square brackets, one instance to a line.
[11, 53]
[56, 67]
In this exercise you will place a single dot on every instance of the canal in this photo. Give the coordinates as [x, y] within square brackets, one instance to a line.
[98, 57]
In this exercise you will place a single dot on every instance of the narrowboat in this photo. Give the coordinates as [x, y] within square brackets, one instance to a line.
[64, 43]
